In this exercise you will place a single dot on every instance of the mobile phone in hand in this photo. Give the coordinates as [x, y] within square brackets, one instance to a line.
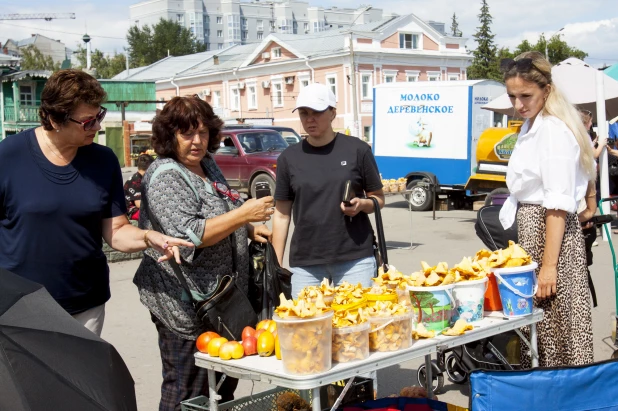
[262, 189]
[348, 194]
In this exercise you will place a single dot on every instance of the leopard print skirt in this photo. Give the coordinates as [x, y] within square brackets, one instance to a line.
[565, 334]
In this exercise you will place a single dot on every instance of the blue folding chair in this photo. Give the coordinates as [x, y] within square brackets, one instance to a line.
[587, 387]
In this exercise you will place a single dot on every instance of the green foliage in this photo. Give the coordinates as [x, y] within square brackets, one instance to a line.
[33, 59]
[106, 66]
[557, 49]
[455, 32]
[485, 63]
[150, 44]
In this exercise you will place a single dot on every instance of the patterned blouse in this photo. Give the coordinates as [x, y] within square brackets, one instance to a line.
[181, 215]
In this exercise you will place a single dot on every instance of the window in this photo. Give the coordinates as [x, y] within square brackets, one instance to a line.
[220, 46]
[286, 26]
[367, 133]
[390, 76]
[408, 41]
[243, 22]
[207, 32]
[295, 27]
[260, 35]
[219, 20]
[25, 95]
[276, 52]
[235, 99]
[233, 28]
[304, 83]
[272, 26]
[180, 18]
[220, 33]
[260, 25]
[216, 99]
[207, 19]
[453, 77]
[277, 94]
[306, 27]
[412, 75]
[252, 97]
[434, 75]
[331, 82]
[244, 35]
[366, 86]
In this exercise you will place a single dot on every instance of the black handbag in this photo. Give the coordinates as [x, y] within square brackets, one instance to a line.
[379, 243]
[268, 280]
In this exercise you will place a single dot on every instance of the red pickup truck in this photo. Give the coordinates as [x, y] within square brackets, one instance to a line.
[248, 156]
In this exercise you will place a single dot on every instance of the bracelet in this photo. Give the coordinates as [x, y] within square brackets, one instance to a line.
[146, 239]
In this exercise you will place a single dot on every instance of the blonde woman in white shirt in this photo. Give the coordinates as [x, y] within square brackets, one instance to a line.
[548, 175]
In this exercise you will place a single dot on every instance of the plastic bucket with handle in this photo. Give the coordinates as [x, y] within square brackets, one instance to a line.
[432, 306]
[517, 286]
[469, 299]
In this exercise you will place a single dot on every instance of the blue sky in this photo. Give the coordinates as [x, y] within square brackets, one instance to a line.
[591, 25]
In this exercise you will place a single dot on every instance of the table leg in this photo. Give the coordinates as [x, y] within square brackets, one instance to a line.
[534, 348]
[213, 397]
[411, 226]
[428, 377]
[315, 401]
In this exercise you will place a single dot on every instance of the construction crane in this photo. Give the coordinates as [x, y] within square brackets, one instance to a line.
[39, 16]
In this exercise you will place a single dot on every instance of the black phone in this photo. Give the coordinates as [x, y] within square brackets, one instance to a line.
[262, 189]
[348, 194]
[602, 219]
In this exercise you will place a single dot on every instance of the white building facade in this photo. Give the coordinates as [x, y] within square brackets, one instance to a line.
[223, 23]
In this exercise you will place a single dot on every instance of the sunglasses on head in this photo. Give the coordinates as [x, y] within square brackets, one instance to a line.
[226, 191]
[521, 65]
[90, 124]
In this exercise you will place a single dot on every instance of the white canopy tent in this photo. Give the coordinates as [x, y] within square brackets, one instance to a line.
[589, 89]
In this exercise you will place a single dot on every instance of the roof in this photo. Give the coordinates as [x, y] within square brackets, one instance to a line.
[168, 67]
[123, 74]
[26, 42]
[20, 75]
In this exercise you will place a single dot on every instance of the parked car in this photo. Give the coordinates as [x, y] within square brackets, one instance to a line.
[248, 156]
[288, 133]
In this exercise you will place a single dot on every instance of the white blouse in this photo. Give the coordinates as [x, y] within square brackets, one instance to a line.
[544, 169]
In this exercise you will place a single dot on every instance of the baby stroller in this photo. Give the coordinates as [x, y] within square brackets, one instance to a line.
[488, 353]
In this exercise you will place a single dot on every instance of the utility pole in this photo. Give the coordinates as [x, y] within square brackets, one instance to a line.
[356, 129]
[547, 41]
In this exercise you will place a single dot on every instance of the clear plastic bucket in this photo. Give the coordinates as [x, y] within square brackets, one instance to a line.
[390, 333]
[305, 343]
[351, 343]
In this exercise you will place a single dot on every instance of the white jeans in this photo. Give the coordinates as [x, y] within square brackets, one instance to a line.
[92, 319]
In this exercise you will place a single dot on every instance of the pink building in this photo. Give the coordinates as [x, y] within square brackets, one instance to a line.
[261, 81]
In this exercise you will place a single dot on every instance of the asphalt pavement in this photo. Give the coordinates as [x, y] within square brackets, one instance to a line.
[448, 238]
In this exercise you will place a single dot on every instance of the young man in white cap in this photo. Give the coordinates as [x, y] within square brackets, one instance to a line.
[330, 240]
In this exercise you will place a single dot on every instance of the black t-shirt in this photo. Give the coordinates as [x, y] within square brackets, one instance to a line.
[51, 219]
[314, 178]
[132, 193]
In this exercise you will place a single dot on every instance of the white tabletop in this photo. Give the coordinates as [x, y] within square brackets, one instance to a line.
[270, 370]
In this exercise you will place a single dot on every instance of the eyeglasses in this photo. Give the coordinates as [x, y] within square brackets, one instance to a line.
[90, 124]
[522, 65]
[226, 191]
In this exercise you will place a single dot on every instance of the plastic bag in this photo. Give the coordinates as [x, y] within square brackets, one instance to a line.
[267, 279]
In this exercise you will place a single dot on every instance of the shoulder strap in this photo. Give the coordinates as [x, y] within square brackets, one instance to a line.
[380, 232]
[174, 166]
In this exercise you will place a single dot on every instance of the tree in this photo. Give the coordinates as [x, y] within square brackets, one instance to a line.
[484, 65]
[455, 32]
[33, 59]
[557, 49]
[106, 66]
[152, 43]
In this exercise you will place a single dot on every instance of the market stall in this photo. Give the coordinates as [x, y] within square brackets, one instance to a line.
[270, 370]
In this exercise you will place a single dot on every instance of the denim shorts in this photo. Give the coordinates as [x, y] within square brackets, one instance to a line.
[353, 271]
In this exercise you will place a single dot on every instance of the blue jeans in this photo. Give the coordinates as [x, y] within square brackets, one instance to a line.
[354, 272]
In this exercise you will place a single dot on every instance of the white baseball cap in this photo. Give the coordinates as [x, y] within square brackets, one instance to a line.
[317, 97]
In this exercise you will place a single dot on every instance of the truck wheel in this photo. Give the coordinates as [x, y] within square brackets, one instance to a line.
[501, 190]
[420, 195]
[262, 178]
